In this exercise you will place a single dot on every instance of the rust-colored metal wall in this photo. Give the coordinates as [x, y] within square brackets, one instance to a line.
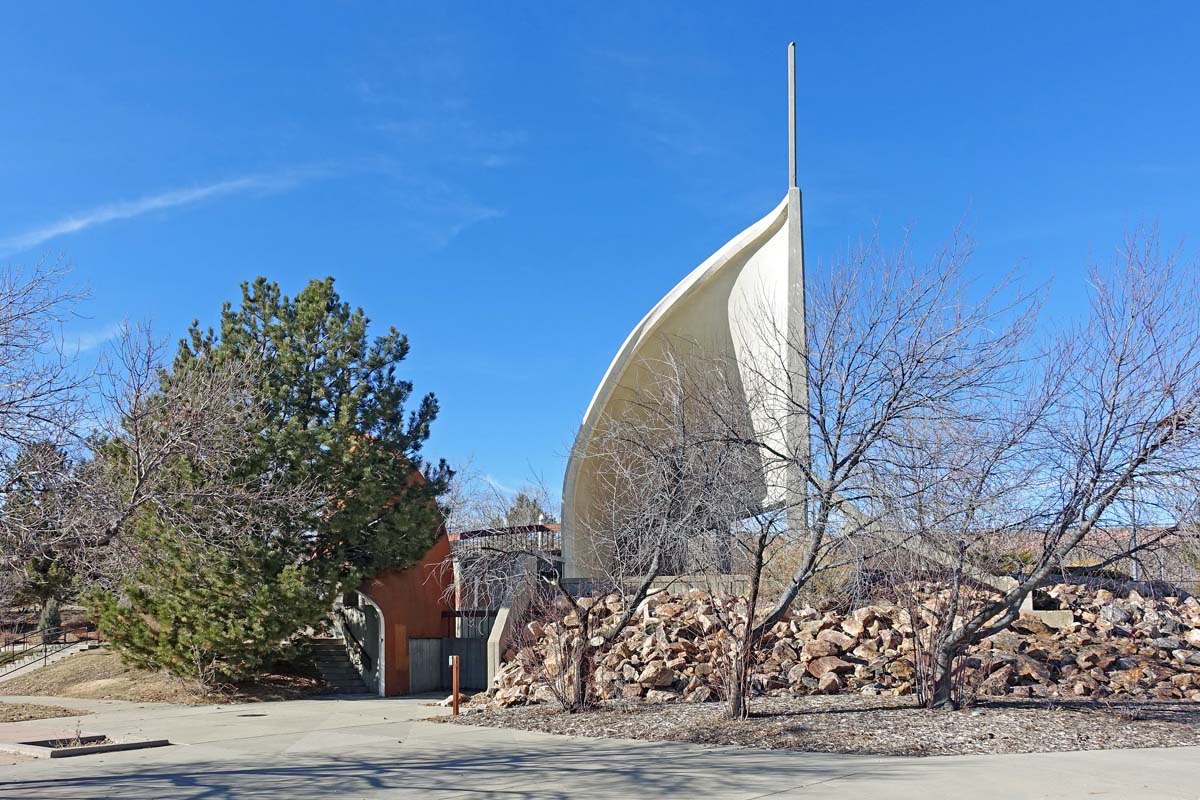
[413, 605]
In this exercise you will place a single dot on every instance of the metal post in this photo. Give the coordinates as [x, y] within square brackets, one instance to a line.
[1133, 536]
[792, 182]
[454, 672]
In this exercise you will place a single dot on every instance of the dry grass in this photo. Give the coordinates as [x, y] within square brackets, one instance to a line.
[873, 725]
[101, 675]
[22, 712]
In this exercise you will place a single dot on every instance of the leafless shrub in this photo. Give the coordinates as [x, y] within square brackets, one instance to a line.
[172, 443]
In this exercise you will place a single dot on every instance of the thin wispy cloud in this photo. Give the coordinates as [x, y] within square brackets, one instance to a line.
[437, 210]
[90, 340]
[646, 101]
[498, 486]
[128, 209]
[421, 103]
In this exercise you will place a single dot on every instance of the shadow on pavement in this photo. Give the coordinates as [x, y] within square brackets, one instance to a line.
[547, 771]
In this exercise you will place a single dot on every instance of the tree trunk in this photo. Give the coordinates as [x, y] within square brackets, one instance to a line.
[735, 707]
[942, 697]
[579, 669]
[744, 656]
[581, 661]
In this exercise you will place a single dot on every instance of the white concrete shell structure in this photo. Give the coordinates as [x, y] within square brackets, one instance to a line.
[719, 310]
[714, 310]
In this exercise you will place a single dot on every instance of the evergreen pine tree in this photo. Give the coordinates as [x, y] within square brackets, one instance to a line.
[335, 416]
[332, 415]
[215, 615]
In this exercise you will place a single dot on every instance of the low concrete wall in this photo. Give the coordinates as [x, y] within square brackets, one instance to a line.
[509, 618]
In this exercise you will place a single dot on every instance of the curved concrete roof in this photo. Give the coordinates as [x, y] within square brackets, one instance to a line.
[719, 308]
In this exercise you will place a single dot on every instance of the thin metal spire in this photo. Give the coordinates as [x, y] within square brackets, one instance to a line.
[792, 115]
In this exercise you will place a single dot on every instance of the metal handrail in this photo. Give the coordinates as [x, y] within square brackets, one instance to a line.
[349, 634]
[50, 640]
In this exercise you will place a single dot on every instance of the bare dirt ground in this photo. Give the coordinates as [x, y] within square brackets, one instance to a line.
[100, 675]
[22, 712]
[874, 725]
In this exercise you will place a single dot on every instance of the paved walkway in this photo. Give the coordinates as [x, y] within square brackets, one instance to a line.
[373, 748]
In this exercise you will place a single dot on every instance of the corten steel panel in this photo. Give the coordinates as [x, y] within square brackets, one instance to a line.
[414, 604]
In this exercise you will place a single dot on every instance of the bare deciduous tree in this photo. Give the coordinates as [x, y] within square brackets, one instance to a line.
[1116, 410]
[668, 470]
[40, 391]
[887, 342]
[173, 444]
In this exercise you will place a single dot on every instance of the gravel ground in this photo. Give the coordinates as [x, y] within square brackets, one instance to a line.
[21, 712]
[874, 725]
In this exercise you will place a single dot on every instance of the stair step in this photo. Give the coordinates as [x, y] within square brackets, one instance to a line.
[333, 664]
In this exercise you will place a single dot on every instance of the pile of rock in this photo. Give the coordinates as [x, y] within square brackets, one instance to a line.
[1128, 647]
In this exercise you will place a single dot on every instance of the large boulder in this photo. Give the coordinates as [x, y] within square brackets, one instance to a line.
[657, 674]
[820, 666]
[841, 640]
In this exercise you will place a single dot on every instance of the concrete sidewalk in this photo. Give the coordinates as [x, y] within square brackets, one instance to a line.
[380, 748]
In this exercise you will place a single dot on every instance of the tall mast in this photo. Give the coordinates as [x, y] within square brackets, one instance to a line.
[792, 184]
[797, 430]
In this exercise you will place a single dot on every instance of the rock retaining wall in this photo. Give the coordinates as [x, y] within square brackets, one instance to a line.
[1128, 647]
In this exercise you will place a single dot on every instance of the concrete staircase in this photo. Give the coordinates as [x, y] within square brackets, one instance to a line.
[35, 659]
[335, 667]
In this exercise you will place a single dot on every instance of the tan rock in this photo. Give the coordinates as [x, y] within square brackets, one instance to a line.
[1183, 680]
[853, 627]
[820, 666]
[613, 603]
[796, 674]
[830, 683]
[656, 674]
[867, 651]
[997, 683]
[819, 648]
[784, 650]
[1029, 668]
[543, 694]
[668, 610]
[865, 616]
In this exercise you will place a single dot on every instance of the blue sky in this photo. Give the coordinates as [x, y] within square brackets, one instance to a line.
[513, 185]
